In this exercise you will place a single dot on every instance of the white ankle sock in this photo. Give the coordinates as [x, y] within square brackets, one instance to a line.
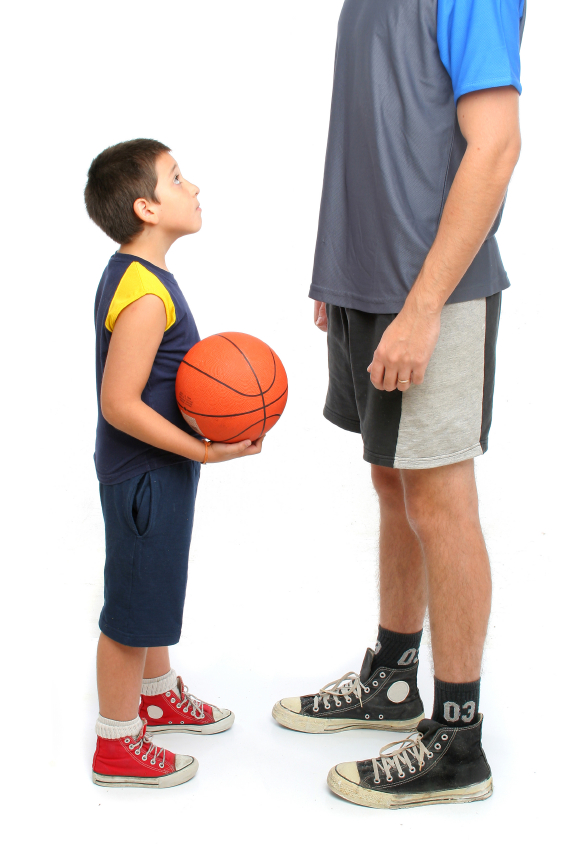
[109, 729]
[160, 685]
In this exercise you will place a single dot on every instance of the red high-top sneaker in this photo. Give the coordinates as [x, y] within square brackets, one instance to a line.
[135, 761]
[177, 711]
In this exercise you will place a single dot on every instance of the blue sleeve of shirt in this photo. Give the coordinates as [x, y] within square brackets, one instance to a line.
[479, 43]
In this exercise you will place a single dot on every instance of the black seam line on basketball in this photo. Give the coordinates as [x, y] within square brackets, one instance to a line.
[273, 416]
[192, 412]
[256, 379]
[223, 384]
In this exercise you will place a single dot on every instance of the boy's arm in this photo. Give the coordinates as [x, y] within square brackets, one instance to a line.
[137, 334]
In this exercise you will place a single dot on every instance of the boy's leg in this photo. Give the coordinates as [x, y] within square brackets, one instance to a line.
[119, 679]
[157, 662]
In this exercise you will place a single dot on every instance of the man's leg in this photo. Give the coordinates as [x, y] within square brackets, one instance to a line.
[442, 506]
[403, 585]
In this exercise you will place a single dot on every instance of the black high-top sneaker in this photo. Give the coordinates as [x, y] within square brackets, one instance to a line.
[388, 699]
[437, 765]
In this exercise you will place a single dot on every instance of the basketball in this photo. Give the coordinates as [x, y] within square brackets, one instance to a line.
[231, 387]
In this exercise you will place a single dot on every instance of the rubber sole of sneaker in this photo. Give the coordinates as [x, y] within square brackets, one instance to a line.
[167, 781]
[206, 730]
[306, 724]
[379, 800]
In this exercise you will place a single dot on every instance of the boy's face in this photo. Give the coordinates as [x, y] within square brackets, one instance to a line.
[179, 212]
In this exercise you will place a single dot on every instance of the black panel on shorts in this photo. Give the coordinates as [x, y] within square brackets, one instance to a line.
[353, 403]
[493, 308]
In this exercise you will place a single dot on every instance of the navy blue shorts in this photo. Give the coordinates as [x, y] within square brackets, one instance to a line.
[148, 529]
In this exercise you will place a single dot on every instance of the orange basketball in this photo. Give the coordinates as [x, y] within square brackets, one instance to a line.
[231, 387]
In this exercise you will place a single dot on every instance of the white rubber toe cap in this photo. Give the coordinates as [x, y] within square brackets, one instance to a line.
[349, 770]
[184, 762]
[291, 703]
[220, 714]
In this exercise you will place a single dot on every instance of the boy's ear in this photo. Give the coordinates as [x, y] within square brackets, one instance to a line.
[144, 210]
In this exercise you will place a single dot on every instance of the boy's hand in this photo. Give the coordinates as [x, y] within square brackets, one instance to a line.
[221, 452]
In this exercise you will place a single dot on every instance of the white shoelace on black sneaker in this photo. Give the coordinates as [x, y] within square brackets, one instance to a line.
[348, 685]
[411, 752]
[143, 742]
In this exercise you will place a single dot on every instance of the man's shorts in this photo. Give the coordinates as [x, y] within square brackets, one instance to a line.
[148, 528]
[445, 419]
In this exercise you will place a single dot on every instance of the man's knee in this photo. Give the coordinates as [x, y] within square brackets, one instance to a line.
[438, 498]
[387, 484]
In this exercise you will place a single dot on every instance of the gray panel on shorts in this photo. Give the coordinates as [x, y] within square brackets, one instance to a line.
[441, 419]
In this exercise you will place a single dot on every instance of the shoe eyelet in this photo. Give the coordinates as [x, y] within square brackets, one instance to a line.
[383, 675]
[178, 706]
[137, 752]
[338, 703]
[181, 722]
[161, 765]
[366, 690]
[389, 779]
[326, 706]
[169, 722]
[380, 717]
[315, 709]
[412, 770]
[173, 700]
[348, 700]
[367, 717]
[127, 741]
[430, 755]
[153, 761]
[145, 757]
[401, 776]
[444, 737]
[377, 782]
[186, 712]
[375, 683]
[437, 746]
[131, 747]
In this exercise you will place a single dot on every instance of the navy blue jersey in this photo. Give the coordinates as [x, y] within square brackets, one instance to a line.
[127, 278]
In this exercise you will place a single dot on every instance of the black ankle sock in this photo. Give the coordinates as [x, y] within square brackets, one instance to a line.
[456, 704]
[395, 650]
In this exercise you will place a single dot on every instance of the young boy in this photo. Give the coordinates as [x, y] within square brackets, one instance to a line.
[148, 465]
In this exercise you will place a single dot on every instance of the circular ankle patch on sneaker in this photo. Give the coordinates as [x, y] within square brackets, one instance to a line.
[396, 693]
[155, 712]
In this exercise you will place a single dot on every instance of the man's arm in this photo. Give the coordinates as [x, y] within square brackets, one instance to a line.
[489, 121]
[136, 337]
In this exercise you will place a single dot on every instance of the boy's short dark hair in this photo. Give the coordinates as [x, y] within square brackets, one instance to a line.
[117, 177]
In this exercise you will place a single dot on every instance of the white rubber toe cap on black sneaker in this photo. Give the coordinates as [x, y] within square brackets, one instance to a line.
[349, 771]
[293, 704]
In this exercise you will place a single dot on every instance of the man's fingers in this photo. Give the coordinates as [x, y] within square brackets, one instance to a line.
[376, 373]
[404, 380]
[320, 318]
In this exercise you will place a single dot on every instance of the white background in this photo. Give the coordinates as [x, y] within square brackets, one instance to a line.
[283, 562]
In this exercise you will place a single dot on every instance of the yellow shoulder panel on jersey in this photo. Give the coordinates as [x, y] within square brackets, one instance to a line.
[135, 283]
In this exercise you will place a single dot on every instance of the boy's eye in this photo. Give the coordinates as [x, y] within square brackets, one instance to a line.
[177, 179]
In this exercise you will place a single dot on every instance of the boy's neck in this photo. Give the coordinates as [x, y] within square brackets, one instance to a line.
[150, 249]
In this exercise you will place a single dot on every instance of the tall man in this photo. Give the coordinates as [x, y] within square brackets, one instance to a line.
[424, 137]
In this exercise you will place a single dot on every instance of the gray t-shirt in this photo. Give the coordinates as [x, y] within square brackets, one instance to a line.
[395, 145]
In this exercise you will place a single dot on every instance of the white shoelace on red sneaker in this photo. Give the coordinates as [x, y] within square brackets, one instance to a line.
[349, 684]
[411, 752]
[143, 742]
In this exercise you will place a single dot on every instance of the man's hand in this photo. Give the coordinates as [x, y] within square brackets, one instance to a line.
[405, 350]
[222, 452]
[320, 318]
